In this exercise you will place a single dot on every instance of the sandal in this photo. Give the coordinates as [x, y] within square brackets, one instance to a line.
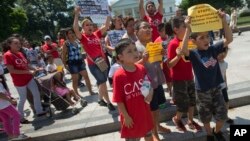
[163, 130]
[194, 126]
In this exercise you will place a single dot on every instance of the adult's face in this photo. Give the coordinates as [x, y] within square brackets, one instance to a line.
[151, 9]
[144, 32]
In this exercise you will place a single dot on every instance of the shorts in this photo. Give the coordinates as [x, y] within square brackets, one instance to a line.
[101, 77]
[211, 103]
[62, 91]
[158, 98]
[225, 94]
[76, 66]
[184, 94]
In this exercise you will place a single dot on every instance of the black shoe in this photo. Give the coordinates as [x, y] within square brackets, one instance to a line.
[41, 114]
[230, 121]
[219, 136]
[25, 121]
[80, 84]
[111, 107]
[239, 33]
[210, 138]
[102, 103]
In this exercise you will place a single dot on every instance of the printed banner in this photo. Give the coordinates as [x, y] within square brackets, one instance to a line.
[97, 10]
[154, 51]
[115, 36]
[204, 18]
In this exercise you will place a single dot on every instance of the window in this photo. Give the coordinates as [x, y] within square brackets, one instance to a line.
[170, 9]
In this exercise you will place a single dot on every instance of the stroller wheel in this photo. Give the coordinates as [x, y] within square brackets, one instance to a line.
[75, 111]
[84, 103]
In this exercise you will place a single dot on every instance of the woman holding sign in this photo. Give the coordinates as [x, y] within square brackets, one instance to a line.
[92, 46]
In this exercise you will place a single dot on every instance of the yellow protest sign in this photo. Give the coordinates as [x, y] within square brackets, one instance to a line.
[154, 51]
[204, 18]
[191, 46]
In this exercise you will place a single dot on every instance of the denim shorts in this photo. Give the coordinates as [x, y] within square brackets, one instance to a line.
[101, 77]
[76, 66]
[158, 98]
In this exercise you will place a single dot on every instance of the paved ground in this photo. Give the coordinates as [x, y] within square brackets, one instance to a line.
[94, 120]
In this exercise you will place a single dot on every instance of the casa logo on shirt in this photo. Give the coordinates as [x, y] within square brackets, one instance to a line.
[156, 22]
[21, 63]
[211, 62]
[132, 89]
[93, 41]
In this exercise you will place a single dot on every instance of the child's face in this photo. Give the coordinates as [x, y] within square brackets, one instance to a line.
[129, 55]
[162, 32]
[180, 32]
[202, 41]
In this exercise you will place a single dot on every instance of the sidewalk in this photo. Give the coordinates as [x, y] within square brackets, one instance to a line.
[94, 120]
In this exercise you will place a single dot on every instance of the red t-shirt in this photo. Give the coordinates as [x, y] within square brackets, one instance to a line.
[182, 70]
[92, 46]
[47, 47]
[127, 90]
[154, 22]
[19, 62]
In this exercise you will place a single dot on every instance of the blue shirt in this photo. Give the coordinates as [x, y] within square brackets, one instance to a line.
[206, 67]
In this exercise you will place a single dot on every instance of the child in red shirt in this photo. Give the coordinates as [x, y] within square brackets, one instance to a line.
[135, 115]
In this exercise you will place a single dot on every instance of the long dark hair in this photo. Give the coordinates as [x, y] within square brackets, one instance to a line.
[6, 44]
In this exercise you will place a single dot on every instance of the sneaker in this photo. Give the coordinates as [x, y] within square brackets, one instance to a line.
[219, 136]
[210, 138]
[102, 103]
[21, 137]
[194, 126]
[111, 107]
[230, 121]
[179, 125]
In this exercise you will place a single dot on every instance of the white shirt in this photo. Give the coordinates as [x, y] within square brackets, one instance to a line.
[51, 67]
[223, 68]
[3, 103]
[113, 69]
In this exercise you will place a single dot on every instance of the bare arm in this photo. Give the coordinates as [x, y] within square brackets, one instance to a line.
[228, 32]
[107, 44]
[106, 26]
[174, 61]
[128, 122]
[160, 7]
[75, 24]
[184, 47]
[141, 9]
[64, 54]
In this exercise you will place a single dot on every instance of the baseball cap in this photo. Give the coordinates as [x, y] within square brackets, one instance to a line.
[46, 37]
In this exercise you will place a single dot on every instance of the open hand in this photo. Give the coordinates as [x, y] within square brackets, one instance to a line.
[77, 10]
[128, 122]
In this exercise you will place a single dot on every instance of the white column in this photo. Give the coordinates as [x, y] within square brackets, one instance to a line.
[133, 12]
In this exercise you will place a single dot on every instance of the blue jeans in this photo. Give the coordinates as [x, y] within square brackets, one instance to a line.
[101, 77]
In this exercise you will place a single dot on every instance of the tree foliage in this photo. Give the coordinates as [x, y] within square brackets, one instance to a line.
[13, 19]
[185, 4]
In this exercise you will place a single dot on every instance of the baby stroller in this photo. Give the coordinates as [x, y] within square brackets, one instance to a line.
[59, 102]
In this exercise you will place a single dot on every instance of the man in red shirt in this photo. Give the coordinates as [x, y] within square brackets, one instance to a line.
[50, 48]
[153, 16]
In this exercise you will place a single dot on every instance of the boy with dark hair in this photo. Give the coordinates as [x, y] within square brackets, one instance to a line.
[183, 80]
[208, 77]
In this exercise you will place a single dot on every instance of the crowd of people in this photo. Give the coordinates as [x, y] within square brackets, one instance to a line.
[194, 78]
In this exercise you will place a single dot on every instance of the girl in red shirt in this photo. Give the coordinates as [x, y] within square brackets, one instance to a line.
[136, 119]
[92, 46]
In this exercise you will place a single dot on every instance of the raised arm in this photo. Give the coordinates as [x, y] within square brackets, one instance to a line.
[75, 24]
[160, 7]
[228, 32]
[141, 8]
[184, 47]
[106, 26]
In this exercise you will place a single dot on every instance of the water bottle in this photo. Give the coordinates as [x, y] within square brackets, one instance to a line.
[145, 88]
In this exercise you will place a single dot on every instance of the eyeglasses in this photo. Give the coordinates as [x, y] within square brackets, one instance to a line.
[146, 27]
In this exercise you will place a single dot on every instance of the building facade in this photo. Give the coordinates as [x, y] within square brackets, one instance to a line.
[131, 8]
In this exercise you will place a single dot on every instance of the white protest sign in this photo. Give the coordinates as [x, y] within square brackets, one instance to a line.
[115, 36]
[97, 10]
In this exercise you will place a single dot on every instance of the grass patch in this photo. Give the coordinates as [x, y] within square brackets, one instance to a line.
[243, 21]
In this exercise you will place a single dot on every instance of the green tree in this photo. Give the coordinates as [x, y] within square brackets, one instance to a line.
[248, 3]
[185, 4]
[46, 17]
[12, 19]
